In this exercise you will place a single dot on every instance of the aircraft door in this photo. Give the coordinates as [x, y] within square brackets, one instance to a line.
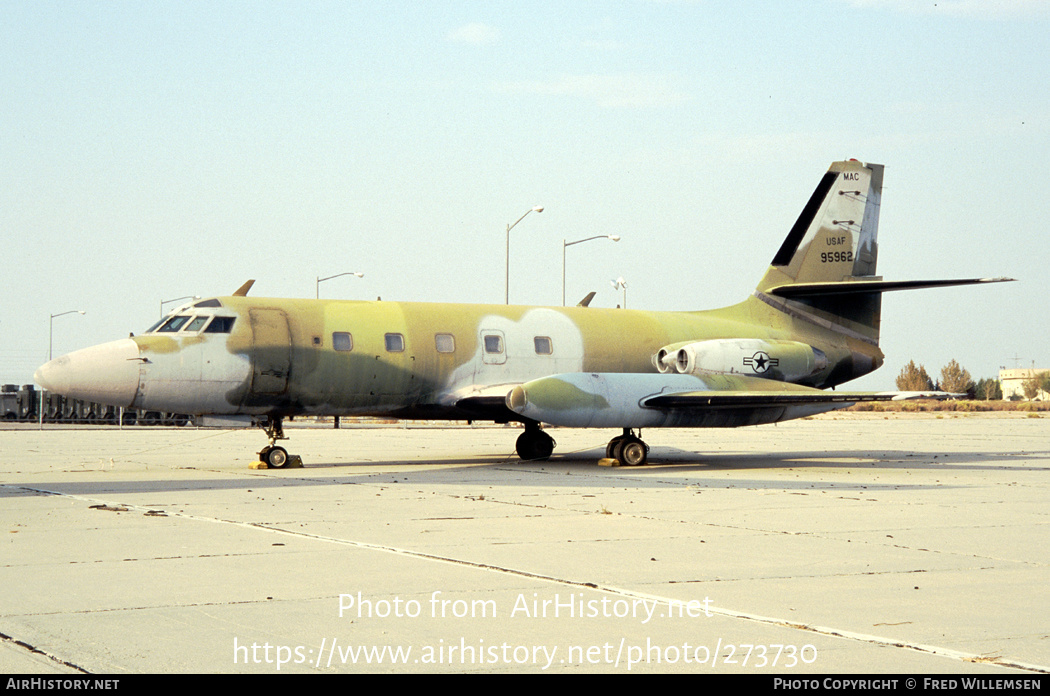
[271, 351]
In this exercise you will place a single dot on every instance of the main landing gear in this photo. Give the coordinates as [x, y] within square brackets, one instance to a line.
[627, 449]
[534, 444]
[623, 450]
[274, 456]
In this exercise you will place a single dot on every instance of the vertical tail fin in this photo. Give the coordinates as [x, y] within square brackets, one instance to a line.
[834, 240]
[824, 272]
[835, 237]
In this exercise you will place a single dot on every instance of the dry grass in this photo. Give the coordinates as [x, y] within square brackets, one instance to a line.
[965, 406]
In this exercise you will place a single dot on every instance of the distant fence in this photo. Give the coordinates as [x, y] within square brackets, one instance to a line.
[26, 403]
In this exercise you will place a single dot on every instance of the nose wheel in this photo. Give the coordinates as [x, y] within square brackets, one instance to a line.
[273, 455]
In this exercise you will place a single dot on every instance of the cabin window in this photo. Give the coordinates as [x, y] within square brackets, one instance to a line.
[543, 345]
[493, 344]
[220, 325]
[196, 324]
[343, 341]
[395, 343]
[445, 343]
[174, 324]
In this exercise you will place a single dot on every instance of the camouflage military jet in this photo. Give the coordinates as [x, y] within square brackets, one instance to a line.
[812, 323]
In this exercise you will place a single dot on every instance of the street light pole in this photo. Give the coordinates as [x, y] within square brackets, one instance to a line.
[565, 244]
[317, 286]
[50, 353]
[506, 293]
[621, 283]
[51, 328]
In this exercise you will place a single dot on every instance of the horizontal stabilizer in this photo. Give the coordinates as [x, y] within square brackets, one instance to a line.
[847, 287]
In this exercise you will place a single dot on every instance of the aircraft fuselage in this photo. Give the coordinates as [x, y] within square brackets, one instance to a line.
[286, 357]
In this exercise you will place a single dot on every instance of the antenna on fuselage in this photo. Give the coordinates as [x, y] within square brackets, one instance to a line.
[243, 290]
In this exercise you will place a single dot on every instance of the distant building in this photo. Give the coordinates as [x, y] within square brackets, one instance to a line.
[1012, 382]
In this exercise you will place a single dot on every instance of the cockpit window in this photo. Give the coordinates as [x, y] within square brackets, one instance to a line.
[154, 327]
[220, 325]
[173, 324]
[196, 324]
[208, 303]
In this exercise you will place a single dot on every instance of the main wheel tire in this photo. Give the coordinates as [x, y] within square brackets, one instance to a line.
[534, 445]
[630, 451]
[276, 457]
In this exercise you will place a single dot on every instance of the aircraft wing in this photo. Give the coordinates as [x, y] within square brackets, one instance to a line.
[713, 399]
[673, 400]
[484, 403]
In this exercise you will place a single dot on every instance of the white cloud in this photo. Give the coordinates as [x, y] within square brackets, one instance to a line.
[476, 34]
[623, 91]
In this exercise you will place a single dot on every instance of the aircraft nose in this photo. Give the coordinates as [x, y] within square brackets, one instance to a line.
[106, 373]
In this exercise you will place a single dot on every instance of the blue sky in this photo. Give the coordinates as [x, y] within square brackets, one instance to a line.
[152, 150]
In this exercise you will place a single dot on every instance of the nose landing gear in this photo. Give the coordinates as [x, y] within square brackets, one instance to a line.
[274, 456]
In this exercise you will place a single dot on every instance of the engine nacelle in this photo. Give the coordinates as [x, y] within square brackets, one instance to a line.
[664, 359]
[785, 361]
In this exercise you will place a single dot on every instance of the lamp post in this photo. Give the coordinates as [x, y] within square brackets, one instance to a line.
[621, 283]
[565, 244]
[506, 293]
[51, 328]
[50, 353]
[317, 286]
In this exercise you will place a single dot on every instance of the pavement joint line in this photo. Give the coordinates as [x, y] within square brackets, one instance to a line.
[623, 592]
[21, 644]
